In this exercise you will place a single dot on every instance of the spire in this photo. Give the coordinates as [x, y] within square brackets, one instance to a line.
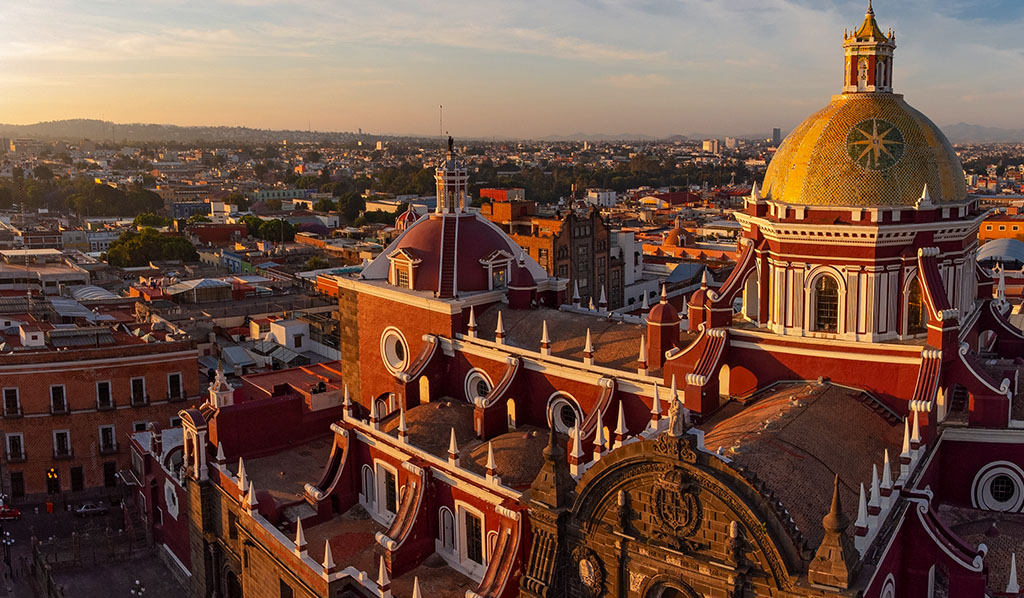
[915, 437]
[664, 293]
[403, 431]
[553, 484]
[575, 293]
[499, 331]
[875, 501]
[591, 306]
[869, 53]
[577, 455]
[243, 482]
[250, 498]
[645, 304]
[471, 327]
[620, 427]
[588, 350]
[655, 407]
[599, 436]
[545, 340]
[755, 193]
[706, 278]
[492, 467]
[453, 450]
[642, 369]
[220, 454]
[383, 581]
[300, 539]
[374, 415]
[603, 301]
[347, 409]
[886, 472]
[906, 439]
[836, 556]
[416, 588]
[1012, 587]
[862, 509]
[328, 558]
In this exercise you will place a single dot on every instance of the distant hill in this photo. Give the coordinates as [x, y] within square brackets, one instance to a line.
[75, 130]
[967, 133]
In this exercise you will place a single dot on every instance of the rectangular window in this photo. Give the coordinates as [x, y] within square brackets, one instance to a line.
[138, 426]
[61, 443]
[498, 278]
[474, 539]
[15, 447]
[77, 479]
[297, 338]
[1002, 227]
[17, 484]
[232, 526]
[563, 271]
[12, 405]
[175, 422]
[390, 492]
[174, 386]
[286, 590]
[107, 438]
[58, 403]
[104, 400]
[403, 278]
[138, 390]
[109, 474]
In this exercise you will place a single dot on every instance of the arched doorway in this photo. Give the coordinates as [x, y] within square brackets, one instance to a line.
[424, 390]
[723, 380]
[510, 414]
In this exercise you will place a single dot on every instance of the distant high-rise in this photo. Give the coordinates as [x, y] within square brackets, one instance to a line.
[776, 136]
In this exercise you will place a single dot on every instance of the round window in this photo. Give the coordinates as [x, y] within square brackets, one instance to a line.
[563, 413]
[393, 350]
[477, 385]
[1002, 488]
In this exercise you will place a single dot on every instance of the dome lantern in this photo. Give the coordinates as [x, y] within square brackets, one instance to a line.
[868, 57]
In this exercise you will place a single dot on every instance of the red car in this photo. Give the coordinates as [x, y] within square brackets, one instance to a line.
[9, 513]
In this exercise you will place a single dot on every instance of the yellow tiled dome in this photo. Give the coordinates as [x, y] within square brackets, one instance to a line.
[865, 149]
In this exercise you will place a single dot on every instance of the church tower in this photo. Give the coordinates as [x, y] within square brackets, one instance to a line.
[452, 181]
[868, 57]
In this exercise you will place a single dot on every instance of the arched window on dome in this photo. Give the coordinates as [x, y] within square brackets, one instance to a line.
[862, 74]
[880, 74]
[825, 305]
[917, 315]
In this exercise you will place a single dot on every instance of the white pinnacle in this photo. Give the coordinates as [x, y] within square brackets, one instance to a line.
[577, 445]
[416, 588]
[544, 339]
[886, 472]
[300, 538]
[620, 426]
[1012, 587]
[862, 509]
[382, 575]
[588, 347]
[250, 497]
[453, 447]
[220, 452]
[755, 193]
[664, 293]
[472, 318]
[491, 465]
[499, 330]
[645, 305]
[575, 292]
[243, 481]
[906, 439]
[643, 349]
[604, 298]
[915, 437]
[401, 422]
[875, 499]
[656, 401]
[328, 558]
[599, 436]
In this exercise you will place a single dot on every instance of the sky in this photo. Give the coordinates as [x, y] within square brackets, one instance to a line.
[500, 68]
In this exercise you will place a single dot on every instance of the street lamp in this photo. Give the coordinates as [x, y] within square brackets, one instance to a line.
[138, 589]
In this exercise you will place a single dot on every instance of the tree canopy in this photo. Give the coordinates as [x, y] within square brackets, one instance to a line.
[135, 248]
[150, 219]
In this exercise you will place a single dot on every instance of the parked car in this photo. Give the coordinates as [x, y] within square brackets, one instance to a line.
[7, 513]
[90, 508]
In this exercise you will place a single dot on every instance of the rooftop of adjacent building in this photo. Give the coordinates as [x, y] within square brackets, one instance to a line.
[1002, 533]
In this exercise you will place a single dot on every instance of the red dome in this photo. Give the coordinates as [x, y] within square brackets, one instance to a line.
[476, 240]
[405, 219]
[663, 313]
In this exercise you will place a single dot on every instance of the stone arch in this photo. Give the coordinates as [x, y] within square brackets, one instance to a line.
[666, 586]
[812, 291]
[636, 468]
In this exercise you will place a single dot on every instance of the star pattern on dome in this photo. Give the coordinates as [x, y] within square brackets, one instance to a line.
[875, 144]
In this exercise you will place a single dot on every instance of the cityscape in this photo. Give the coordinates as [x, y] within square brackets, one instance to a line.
[246, 361]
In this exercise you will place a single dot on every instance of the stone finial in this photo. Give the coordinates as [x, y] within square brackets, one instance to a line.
[403, 430]
[905, 453]
[642, 368]
[545, 340]
[664, 293]
[603, 301]
[499, 331]
[328, 558]
[655, 407]
[591, 306]
[453, 451]
[1012, 587]
[348, 410]
[243, 481]
[915, 435]
[836, 556]
[300, 539]
[645, 304]
[577, 455]
[575, 293]
[755, 192]
[374, 415]
[599, 436]
[416, 588]
[220, 454]
[492, 467]
[862, 509]
[620, 427]
[250, 498]
[588, 350]
[875, 498]
[383, 581]
[705, 278]
[471, 327]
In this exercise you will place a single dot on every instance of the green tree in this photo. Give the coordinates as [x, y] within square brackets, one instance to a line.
[273, 205]
[311, 156]
[324, 205]
[150, 219]
[308, 181]
[351, 205]
[42, 173]
[134, 248]
[253, 223]
[198, 218]
[277, 230]
[238, 199]
[317, 263]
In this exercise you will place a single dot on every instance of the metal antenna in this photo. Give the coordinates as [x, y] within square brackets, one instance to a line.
[440, 124]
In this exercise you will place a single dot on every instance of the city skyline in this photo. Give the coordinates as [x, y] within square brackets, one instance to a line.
[652, 68]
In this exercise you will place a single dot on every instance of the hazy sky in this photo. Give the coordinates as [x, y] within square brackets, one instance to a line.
[501, 68]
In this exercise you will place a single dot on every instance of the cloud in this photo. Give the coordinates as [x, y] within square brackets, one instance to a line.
[635, 81]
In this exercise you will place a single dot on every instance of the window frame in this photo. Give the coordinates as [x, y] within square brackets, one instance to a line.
[65, 408]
